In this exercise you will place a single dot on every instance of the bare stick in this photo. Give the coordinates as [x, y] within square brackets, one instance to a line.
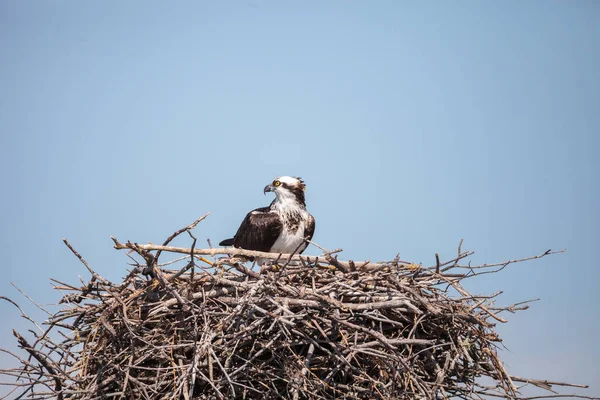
[180, 231]
[321, 328]
[95, 275]
[43, 361]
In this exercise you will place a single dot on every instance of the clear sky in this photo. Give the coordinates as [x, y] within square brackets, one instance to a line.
[413, 124]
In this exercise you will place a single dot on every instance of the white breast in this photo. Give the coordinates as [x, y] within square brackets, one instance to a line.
[288, 241]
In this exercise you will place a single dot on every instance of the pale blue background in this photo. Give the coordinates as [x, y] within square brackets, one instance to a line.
[413, 125]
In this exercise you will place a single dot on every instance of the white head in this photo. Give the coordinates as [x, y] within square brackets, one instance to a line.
[288, 190]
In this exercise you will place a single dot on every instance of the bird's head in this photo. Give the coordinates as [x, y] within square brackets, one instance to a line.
[287, 189]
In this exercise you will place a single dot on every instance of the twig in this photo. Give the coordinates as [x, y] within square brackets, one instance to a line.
[325, 328]
[95, 275]
[43, 362]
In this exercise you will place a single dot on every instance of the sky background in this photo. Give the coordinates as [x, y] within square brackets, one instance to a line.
[413, 124]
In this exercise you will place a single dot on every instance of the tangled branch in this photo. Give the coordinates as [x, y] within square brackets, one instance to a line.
[311, 327]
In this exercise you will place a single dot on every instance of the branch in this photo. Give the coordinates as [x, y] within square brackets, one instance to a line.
[43, 361]
[232, 251]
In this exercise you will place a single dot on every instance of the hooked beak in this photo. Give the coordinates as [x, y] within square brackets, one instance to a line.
[268, 188]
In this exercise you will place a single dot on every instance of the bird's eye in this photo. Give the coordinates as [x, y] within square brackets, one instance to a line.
[276, 183]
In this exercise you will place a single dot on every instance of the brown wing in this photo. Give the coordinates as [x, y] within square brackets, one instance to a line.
[258, 231]
[310, 230]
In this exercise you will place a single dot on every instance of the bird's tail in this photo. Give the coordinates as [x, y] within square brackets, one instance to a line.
[226, 242]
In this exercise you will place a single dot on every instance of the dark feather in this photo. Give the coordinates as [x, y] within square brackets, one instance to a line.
[226, 242]
[259, 230]
[309, 231]
[298, 191]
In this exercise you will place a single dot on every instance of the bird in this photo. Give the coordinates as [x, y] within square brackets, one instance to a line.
[282, 227]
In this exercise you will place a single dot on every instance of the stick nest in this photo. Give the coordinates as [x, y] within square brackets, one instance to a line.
[297, 327]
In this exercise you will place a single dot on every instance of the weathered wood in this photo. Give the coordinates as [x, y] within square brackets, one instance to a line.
[319, 328]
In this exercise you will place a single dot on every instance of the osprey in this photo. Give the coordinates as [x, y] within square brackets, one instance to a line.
[280, 227]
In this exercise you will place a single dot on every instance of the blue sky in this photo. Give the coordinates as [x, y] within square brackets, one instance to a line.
[413, 124]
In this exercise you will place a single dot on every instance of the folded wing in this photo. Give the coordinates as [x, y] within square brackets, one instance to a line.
[258, 231]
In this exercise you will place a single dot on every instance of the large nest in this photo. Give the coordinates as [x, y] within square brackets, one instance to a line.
[295, 327]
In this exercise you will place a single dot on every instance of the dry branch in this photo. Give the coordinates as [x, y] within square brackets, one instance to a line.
[311, 327]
